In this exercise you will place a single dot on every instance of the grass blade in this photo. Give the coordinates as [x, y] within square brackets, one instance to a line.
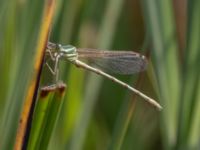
[43, 37]
[52, 115]
[40, 115]
[190, 87]
[161, 25]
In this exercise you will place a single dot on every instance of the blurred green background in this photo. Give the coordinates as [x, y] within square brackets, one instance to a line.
[97, 113]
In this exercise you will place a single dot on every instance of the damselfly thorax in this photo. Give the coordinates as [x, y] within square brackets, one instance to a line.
[67, 52]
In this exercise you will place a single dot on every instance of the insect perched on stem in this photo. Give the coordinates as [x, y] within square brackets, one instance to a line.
[122, 62]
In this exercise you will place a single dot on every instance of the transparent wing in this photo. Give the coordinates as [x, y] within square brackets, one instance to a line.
[120, 62]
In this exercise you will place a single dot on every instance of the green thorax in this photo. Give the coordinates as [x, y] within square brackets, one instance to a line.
[67, 52]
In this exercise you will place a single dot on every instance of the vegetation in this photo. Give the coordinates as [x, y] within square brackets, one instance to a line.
[92, 112]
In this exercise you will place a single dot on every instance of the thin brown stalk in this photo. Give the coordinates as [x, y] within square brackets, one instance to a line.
[29, 98]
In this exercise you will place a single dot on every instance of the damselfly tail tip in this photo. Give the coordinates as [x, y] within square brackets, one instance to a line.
[159, 107]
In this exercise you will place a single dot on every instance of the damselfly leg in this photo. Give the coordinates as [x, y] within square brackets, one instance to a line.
[55, 58]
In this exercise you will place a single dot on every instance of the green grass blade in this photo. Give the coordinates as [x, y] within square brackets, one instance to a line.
[52, 116]
[39, 116]
[190, 88]
[160, 23]
[18, 61]
[193, 138]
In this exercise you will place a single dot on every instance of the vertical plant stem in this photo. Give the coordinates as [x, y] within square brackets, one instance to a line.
[160, 23]
[40, 113]
[190, 80]
[194, 137]
[52, 115]
[29, 99]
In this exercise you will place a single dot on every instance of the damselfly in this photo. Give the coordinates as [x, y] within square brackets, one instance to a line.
[122, 62]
